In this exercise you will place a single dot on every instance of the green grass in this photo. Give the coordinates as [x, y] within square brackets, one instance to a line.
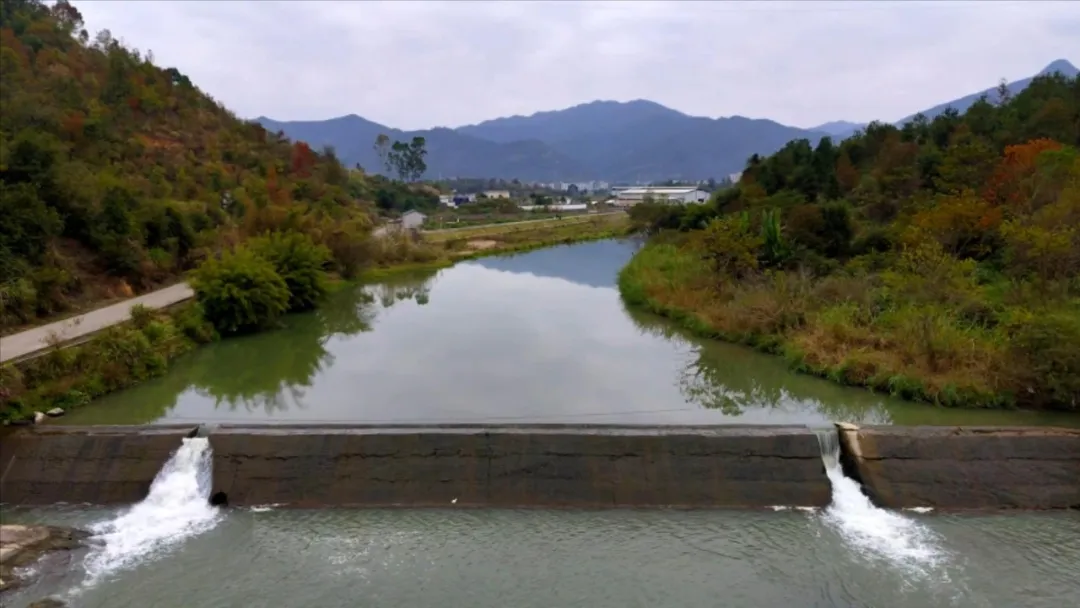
[863, 330]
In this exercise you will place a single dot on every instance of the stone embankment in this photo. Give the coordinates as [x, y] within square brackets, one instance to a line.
[553, 465]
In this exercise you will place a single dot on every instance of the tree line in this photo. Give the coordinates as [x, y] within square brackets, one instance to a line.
[938, 259]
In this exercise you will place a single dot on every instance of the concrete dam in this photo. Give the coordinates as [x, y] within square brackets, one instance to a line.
[583, 466]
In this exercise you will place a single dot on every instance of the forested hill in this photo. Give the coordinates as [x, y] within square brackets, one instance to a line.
[623, 142]
[940, 260]
[116, 173]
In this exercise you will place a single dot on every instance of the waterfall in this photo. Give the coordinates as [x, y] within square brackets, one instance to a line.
[177, 508]
[876, 534]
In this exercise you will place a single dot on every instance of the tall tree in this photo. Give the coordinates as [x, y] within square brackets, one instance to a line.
[382, 149]
[407, 159]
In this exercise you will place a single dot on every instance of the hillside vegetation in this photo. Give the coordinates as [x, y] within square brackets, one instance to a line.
[116, 174]
[937, 261]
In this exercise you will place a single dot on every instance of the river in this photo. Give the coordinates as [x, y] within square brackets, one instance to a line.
[536, 337]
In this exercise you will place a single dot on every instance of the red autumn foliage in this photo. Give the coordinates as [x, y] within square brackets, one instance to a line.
[303, 159]
[1014, 180]
[73, 124]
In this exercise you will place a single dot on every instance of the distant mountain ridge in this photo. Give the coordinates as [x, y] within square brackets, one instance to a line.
[839, 127]
[961, 105]
[634, 141]
[616, 141]
[450, 153]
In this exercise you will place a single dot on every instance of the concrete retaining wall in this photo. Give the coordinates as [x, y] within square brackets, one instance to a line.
[965, 468]
[100, 465]
[546, 465]
[553, 465]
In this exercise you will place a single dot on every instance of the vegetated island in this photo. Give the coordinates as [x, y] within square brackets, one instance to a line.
[118, 176]
[939, 261]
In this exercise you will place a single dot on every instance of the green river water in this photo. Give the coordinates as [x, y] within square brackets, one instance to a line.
[537, 337]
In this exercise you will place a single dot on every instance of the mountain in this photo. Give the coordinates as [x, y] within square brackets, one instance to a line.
[634, 141]
[645, 141]
[840, 128]
[450, 153]
[961, 105]
[594, 119]
[618, 141]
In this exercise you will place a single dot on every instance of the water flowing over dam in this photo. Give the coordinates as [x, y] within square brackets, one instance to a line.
[173, 549]
[876, 534]
[176, 508]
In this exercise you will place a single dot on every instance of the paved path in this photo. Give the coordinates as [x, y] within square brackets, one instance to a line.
[37, 339]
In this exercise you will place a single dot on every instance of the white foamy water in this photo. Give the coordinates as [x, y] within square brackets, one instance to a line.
[875, 533]
[177, 508]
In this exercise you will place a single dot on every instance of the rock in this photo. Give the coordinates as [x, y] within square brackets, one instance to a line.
[54, 412]
[48, 603]
[24, 545]
[38, 417]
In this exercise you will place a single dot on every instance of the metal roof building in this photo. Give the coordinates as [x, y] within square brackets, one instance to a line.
[670, 194]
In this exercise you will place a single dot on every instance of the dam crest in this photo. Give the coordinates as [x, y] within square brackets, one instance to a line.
[555, 465]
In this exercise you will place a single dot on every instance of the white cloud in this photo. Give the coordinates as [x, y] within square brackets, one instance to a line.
[419, 64]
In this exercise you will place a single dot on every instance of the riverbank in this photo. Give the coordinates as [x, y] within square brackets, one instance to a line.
[829, 327]
[126, 354]
[485, 241]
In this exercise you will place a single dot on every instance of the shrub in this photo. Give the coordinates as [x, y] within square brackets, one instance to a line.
[19, 300]
[300, 262]
[728, 243]
[240, 292]
[1046, 361]
[141, 315]
[191, 321]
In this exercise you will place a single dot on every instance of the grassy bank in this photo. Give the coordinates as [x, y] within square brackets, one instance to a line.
[443, 249]
[119, 357]
[526, 226]
[904, 331]
[127, 354]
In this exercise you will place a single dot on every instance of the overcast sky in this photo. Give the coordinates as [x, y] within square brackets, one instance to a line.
[411, 64]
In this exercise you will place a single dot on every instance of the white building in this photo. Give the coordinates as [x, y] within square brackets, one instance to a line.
[412, 219]
[668, 194]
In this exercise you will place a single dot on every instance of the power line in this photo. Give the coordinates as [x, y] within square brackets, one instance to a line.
[390, 421]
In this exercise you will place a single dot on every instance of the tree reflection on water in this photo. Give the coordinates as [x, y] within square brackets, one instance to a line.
[276, 368]
[732, 379]
[269, 371]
